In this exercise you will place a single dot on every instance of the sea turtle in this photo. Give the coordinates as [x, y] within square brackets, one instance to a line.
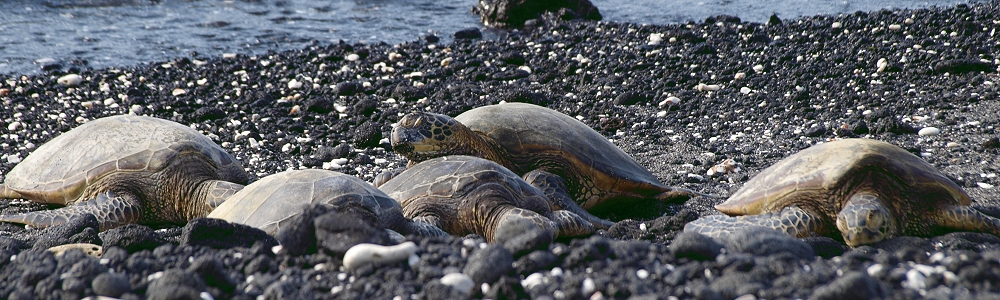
[124, 169]
[528, 138]
[269, 202]
[465, 194]
[861, 190]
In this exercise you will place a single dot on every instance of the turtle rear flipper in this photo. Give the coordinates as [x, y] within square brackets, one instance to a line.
[793, 220]
[966, 218]
[8, 193]
[110, 209]
[554, 188]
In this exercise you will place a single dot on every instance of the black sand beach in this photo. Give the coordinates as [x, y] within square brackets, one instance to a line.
[679, 98]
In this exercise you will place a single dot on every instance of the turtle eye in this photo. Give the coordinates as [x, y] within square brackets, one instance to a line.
[417, 121]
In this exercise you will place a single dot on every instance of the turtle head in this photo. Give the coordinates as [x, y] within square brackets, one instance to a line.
[421, 136]
[865, 220]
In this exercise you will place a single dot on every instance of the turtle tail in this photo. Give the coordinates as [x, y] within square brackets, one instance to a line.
[679, 195]
[111, 211]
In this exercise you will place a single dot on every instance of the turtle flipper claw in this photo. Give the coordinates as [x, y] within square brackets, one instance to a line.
[111, 209]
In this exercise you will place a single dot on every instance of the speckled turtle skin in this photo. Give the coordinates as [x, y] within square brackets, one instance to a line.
[524, 138]
[859, 190]
[465, 195]
[124, 169]
[271, 201]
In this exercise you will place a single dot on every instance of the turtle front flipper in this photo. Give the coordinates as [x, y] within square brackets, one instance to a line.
[554, 188]
[965, 218]
[111, 209]
[792, 220]
[8, 193]
[219, 191]
[510, 215]
[570, 224]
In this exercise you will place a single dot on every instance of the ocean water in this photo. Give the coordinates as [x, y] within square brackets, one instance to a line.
[110, 33]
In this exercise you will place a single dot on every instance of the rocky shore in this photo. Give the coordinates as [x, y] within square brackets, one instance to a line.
[704, 106]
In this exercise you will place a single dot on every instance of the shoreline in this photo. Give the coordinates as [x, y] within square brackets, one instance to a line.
[679, 98]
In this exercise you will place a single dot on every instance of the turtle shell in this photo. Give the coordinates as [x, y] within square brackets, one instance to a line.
[823, 175]
[269, 201]
[440, 184]
[531, 133]
[59, 170]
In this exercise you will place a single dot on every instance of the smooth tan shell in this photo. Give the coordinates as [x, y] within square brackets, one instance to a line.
[272, 199]
[59, 170]
[820, 169]
[526, 129]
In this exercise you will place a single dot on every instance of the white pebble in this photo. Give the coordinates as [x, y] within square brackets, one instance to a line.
[642, 273]
[370, 253]
[952, 145]
[670, 101]
[228, 55]
[745, 90]
[178, 92]
[895, 27]
[836, 25]
[929, 131]
[533, 280]
[459, 281]
[758, 68]
[294, 84]
[588, 286]
[707, 87]
[14, 158]
[980, 184]
[876, 270]
[13, 126]
[339, 161]
[353, 57]
[746, 297]
[915, 280]
[740, 75]
[70, 80]
[881, 64]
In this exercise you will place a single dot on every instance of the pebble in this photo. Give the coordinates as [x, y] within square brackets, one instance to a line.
[294, 84]
[70, 80]
[745, 90]
[881, 64]
[984, 185]
[707, 87]
[89, 249]
[361, 254]
[758, 68]
[459, 281]
[836, 25]
[178, 92]
[929, 131]
[13, 126]
[670, 101]
[353, 57]
[588, 286]
[895, 27]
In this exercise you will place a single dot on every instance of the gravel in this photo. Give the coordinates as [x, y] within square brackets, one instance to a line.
[679, 98]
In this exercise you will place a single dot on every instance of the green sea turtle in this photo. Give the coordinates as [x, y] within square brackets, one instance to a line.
[861, 190]
[272, 200]
[124, 169]
[465, 194]
[528, 138]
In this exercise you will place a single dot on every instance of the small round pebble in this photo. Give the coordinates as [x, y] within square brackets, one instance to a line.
[929, 131]
[70, 80]
[361, 254]
[459, 281]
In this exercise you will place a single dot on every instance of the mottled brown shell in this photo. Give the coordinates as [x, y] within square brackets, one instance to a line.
[532, 133]
[59, 170]
[816, 173]
[269, 201]
[452, 177]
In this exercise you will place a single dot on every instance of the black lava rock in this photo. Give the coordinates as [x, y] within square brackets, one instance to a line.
[298, 236]
[368, 135]
[209, 113]
[339, 230]
[319, 105]
[176, 284]
[695, 246]
[514, 13]
[111, 285]
[958, 66]
[348, 88]
[488, 264]
[81, 229]
[220, 234]
[468, 33]
[521, 237]
[762, 241]
[132, 237]
[853, 285]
